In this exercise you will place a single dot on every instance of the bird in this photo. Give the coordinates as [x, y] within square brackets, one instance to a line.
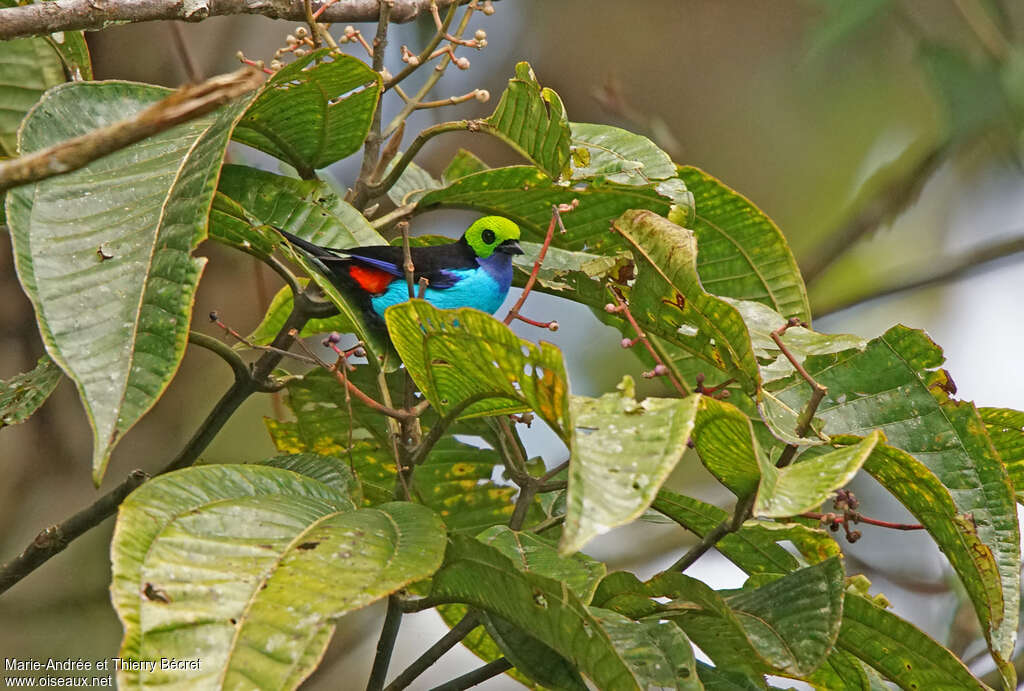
[474, 271]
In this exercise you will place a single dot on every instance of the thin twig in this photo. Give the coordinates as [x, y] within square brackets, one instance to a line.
[431, 81]
[741, 514]
[660, 367]
[986, 31]
[461, 629]
[185, 104]
[477, 676]
[89, 15]
[426, 52]
[385, 645]
[556, 219]
[375, 189]
[854, 517]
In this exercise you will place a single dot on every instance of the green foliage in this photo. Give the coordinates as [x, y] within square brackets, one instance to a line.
[113, 291]
[23, 394]
[252, 564]
[313, 112]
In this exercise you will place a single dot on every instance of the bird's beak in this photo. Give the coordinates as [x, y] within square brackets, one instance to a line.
[510, 247]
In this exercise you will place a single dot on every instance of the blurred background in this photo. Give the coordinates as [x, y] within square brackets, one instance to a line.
[882, 136]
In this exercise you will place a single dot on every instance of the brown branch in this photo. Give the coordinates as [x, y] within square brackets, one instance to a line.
[188, 61]
[187, 103]
[69, 15]
[55, 538]
[741, 514]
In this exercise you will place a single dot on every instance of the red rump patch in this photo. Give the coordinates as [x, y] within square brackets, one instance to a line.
[369, 279]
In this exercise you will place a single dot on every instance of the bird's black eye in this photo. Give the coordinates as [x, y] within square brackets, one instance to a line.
[487, 236]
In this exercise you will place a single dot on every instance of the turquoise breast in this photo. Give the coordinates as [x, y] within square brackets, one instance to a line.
[477, 288]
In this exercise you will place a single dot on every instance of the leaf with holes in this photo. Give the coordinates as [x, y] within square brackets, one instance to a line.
[615, 654]
[532, 121]
[313, 112]
[900, 651]
[579, 572]
[25, 393]
[104, 252]
[251, 564]
[625, 449]
[895, 384]
[469, 364]
[668, 299]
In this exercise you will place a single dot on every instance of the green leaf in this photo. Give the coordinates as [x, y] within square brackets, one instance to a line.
[308, 208]
[466, 362]
[761, 321]
[956, 533]
[455, 480]
[899, 650]
[625, 449]
[807, 484]
[615, 654]
[28, 67]
[579, 572]
[563, 270]
[277, 314]
[250, 564]
[617, 155]
[104, 252]
[754, 547]
[330, 470]
[526, 195]
[463, 163]
[532, 121]
[743, 254]
[788, 625]
[1006, 430]
[715, 679]
[531, 553]
[24, 394]
[727, 447]
[668, 299]
[74, 54]
[314, 111]
[894, 385]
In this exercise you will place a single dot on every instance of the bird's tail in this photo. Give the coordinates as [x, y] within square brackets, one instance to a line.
[309, 247]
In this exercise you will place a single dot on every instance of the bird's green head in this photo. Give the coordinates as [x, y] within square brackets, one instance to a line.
[492, 234]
